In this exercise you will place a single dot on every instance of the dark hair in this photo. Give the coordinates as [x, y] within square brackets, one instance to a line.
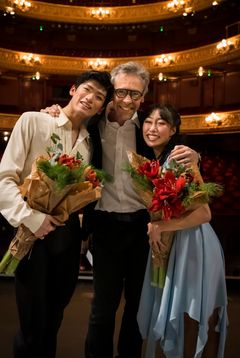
[102, 77]
[171, 116]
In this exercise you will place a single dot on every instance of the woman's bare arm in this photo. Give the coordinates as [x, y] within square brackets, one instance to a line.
[191, 218]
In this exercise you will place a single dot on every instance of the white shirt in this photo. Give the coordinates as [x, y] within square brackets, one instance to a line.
[119, 195]
[29, 139]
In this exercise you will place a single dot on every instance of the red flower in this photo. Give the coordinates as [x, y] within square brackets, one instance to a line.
[92, 177]
[69, 161]
[167, 195]
[150, 169]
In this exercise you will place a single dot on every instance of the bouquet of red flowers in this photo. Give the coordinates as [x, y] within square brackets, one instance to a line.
[58, 185]
[167, 192]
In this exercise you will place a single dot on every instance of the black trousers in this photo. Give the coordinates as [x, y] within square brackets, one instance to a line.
[120, 250]
[45, 281]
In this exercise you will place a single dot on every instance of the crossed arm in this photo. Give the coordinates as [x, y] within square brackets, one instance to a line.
[189, 219]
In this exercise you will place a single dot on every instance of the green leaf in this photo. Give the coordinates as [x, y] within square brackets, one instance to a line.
[103, 176]
[141, 180]
[79, 156]
[55, 138]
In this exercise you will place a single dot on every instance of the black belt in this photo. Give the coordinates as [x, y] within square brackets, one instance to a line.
[124, 217]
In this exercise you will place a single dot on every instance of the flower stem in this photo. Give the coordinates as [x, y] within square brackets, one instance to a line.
[155, 276]
[5, 261]
[9, 263]
[161, 276]
[158, 276]
[12, 266]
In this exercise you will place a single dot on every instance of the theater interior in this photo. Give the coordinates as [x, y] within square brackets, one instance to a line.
[192, 51]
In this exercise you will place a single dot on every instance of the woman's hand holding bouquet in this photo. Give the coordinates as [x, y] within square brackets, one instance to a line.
[167, 192]
[58, 185]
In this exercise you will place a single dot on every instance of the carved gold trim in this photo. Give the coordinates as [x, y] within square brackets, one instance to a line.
[182, 61]
[118, 15]
[193, 124]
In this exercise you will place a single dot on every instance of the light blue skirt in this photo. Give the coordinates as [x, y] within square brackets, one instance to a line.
[195, 284]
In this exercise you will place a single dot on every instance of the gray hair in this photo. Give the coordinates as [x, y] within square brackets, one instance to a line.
[133, 68]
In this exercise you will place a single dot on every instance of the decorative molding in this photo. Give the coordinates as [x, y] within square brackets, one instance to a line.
[196, 124]
[193, 124]
[118, 15]
[187, 60]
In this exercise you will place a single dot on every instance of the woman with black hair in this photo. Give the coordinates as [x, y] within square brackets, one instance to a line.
[188, 315]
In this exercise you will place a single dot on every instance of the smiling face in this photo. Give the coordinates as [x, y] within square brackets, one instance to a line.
[126, 107]
[157, 131]
[87, 100]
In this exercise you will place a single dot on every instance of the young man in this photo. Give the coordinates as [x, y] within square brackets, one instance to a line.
[119, 221]
[46, 278]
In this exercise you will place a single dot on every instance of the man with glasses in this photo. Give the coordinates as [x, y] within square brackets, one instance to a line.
[119, 222]
[120, 241]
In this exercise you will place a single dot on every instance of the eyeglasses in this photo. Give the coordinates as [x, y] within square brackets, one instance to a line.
[123, 92]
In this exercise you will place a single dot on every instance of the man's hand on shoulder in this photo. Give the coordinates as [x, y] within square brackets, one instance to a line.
[184, 155]
[54, 110]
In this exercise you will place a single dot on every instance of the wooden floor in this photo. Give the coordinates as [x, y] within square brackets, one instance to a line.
[73, 330]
